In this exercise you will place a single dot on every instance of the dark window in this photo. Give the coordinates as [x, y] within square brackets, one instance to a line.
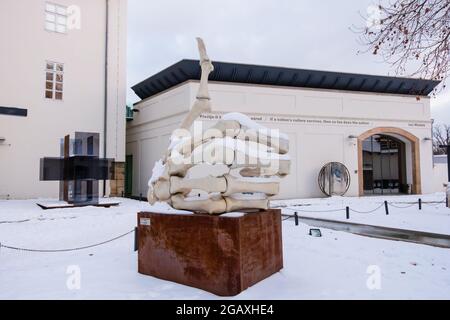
[54, 80]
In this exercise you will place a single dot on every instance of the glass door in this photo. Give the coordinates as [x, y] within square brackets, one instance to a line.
[383, 165]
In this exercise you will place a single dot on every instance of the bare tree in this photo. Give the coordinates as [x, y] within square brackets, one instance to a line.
[411, 35]
[441, 136]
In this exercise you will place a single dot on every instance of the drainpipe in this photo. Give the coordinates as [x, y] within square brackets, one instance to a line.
[105, 111]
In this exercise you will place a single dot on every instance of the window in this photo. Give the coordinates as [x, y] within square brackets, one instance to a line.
[54, 76]
[55, 18]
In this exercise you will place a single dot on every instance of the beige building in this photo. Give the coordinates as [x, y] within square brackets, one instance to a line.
[378, 127]
[62, 69]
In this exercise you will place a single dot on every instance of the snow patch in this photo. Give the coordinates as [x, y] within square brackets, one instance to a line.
[157, 172]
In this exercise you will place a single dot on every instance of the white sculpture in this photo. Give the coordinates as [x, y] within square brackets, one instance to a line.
[249, 157]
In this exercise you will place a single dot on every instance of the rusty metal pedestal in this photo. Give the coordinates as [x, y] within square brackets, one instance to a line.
[220, 254]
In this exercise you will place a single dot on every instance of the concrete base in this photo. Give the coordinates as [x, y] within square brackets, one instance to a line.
[220, 254]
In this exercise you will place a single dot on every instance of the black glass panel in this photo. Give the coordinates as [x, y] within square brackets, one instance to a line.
[80, 172]
[9, 111]
[76, 168]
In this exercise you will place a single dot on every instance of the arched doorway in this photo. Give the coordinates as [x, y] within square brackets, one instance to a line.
[388, 162]
[385, 166]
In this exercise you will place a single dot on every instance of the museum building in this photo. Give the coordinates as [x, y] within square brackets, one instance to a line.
[379, 127]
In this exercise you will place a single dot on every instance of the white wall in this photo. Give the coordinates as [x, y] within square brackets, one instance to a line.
[318, 123]
[147, 136]
[440, 177]
[25, 46]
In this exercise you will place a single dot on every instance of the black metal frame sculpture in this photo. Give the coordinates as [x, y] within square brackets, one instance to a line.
[78, 169]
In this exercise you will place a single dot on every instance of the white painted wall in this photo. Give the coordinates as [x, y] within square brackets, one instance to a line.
[318, 123]
[25, 46]
[147, 136]
[440, 173]
[440, 177]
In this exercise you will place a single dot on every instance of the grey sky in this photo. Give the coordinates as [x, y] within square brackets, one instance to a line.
[292, 33]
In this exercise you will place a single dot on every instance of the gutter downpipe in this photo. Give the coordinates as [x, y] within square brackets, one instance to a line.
[105, 111]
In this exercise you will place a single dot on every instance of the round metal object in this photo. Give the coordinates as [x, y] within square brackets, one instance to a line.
[334, 179]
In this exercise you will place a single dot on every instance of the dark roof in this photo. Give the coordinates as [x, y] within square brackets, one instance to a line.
[276, 76]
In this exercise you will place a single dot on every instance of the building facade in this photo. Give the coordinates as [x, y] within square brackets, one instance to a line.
[441, 176]
[378, 127]
[63, 69]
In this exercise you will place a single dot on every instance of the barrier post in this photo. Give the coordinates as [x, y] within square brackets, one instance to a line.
[296, 218]
[347, 212]
[386, 207]
[420, 204]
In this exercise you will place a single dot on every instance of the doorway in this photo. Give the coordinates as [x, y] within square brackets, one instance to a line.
[384, 166]
[408, 149]
[129, 176]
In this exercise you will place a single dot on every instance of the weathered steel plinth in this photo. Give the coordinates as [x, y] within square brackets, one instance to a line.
[222, 255]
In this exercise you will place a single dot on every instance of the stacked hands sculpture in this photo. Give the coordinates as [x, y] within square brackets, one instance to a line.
[234, 165]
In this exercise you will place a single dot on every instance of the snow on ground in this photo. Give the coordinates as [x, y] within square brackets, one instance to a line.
[434, 217]
[332, 267]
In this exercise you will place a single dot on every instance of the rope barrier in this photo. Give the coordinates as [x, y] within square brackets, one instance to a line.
[18, 221]
[433, 203]
[370, 211]
[430, 203]
[65, 250]
[131, 231]
[313, 211]
[402, 207]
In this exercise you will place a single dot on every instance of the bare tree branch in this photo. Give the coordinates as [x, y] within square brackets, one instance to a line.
[441, 136]
[410, 35]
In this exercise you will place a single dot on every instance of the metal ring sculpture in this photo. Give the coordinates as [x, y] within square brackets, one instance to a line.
[334, 179]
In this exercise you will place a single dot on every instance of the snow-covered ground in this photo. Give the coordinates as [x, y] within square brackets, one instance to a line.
[336, 266]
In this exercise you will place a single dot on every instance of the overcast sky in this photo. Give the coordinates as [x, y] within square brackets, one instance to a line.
[309, 34]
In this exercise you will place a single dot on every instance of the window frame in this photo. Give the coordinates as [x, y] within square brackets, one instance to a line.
[57, 69]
